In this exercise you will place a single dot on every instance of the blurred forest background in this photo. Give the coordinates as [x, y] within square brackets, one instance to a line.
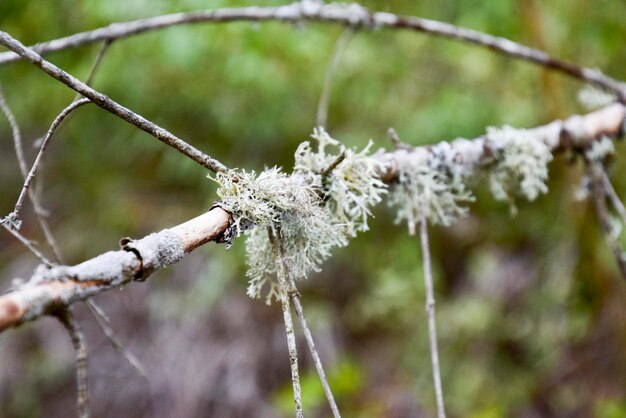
[531, 311]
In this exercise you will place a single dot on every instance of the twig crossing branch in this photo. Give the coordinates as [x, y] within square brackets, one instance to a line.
[112, 106]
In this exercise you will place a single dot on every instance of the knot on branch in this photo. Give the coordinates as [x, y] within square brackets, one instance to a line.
[155, 251]
[12, 221]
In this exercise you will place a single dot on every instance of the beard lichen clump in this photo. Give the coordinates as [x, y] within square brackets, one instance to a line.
[434, 191]
[351, 188]
[521, 164]
[292, 209]
[326, 200]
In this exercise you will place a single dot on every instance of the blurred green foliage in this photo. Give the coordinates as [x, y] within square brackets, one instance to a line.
[530, 309]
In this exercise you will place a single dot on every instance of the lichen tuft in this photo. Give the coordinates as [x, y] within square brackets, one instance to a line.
[521, 164]
[435, 191]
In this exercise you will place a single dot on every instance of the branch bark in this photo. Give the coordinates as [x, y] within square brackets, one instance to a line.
[63, 285]
[353, 15]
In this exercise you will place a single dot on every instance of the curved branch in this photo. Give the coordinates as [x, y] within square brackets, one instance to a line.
[353, 15]
[112, 106]
[63, 285]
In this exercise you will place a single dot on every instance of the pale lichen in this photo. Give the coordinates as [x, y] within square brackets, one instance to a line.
[434, 191]
[521, 164]
[351, 188]
[599, 150]
[293, 210]
[593, 97]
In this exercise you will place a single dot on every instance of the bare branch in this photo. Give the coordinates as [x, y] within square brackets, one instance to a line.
[57, 286]
[33, 171]
[430, 311]
[15, 131]
[112, 106]
[352, 15]
[80, 347]
[281, 275]
[340, 47]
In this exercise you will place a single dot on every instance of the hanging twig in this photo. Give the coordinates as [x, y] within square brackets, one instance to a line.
[112, 106]
[340, 47]
[314, 354]
[430, 311]
[103, 322]
[612, 195]
[15, 131]
[598, 196]
[281, 274]
[80, 347]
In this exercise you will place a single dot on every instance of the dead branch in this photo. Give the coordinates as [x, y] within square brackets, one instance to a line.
[66, 285]
[112, 106]
[353, 15]
[61, 286]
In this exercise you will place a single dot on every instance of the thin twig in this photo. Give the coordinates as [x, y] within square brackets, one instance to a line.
[342, 156]
[80, 347]
[430, 311]
[613, 197]
[35, 196]
[15, 131]
[33, 171]
[598, 196]
[314, 354]
[103, 322]
[104, 48]
[112, 106]
[340, 48]
[352, 15]
[291, 336]
[19, 152]
[396, 141]
[30, 245]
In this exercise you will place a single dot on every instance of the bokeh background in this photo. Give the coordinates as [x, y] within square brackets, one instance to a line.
[531, 310]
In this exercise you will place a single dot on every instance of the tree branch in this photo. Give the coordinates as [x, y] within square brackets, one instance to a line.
[352, 15]
[57, 286]
[66, 285]
[112, 106]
